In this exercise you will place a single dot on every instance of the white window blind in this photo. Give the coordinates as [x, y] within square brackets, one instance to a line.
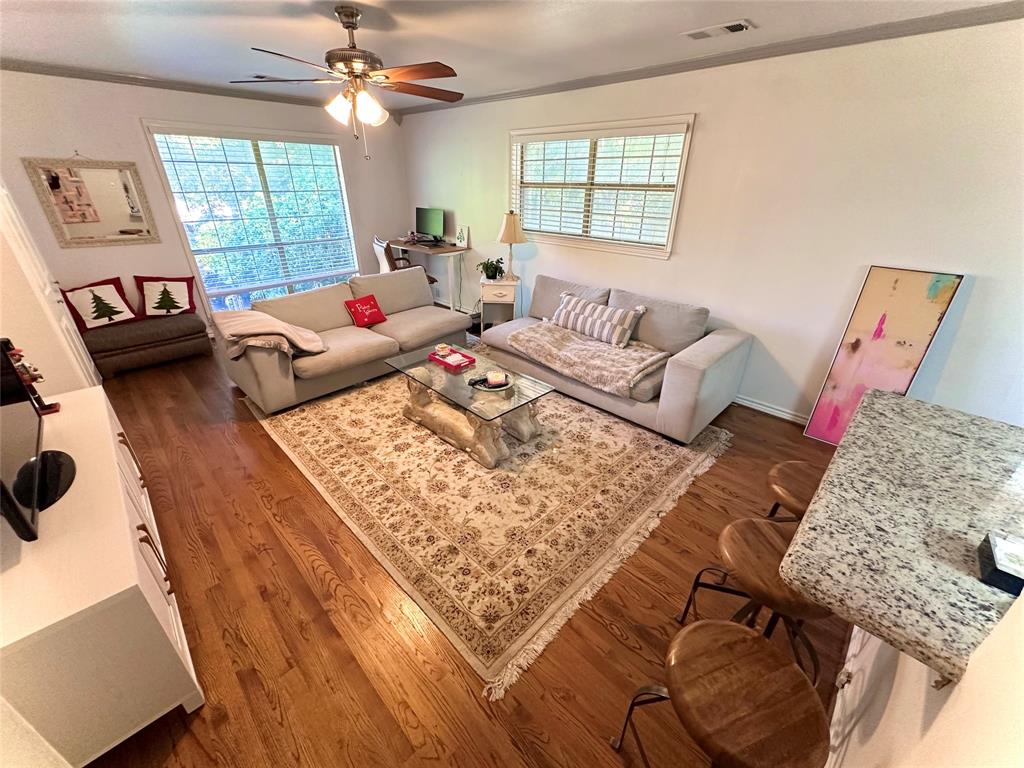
[611, 185]
[262, 218]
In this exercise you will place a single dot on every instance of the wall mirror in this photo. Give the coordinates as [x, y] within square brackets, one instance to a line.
[92, 202]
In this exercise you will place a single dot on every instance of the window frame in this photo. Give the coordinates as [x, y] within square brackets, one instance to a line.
[153, 127]
[683, 123]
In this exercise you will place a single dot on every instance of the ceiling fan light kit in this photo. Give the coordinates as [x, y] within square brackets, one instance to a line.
[354, 68]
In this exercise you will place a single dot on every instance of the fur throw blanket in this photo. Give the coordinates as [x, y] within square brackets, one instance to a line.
[248, 328]
[596, 363]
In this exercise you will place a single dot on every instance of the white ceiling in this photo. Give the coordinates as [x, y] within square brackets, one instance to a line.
[496, 47]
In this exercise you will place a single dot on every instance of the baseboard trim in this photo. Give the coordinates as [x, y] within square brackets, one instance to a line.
[773, 410]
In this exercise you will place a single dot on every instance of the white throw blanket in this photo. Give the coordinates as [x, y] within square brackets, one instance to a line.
[603, 366]
[248, 328]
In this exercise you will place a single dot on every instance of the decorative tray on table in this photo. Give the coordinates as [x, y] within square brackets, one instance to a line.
[456, 367]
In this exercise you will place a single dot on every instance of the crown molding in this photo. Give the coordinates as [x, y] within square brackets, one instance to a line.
[78, 73]
[968, 17]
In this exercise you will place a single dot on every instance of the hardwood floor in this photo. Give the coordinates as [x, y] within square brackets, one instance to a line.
[310, 655]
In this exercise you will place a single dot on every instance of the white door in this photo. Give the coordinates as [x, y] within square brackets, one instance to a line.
[47, 289]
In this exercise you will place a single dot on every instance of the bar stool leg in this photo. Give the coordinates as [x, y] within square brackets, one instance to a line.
[698, 583]
[774, 510]
[644, 695]
[794, 629]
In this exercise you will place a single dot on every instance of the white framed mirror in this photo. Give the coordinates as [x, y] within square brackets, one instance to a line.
[92, 202]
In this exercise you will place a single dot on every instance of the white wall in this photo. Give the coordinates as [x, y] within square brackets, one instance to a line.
[803, 170]
[890, 716]
[53, 117]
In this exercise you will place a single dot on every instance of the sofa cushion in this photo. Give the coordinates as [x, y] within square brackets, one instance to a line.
[417, 327]
[395, 291]
[547, 295]
[143, 332]
[497, 335]
[346, 348]
[649, 387]
[318, 309]
[667, 325]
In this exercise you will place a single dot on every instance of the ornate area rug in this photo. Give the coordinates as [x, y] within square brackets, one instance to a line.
[498, 559]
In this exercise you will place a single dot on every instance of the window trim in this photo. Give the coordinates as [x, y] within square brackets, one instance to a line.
[682, 123]
[152, 127]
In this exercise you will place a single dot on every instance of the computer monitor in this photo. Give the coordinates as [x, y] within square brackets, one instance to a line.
[430, 221]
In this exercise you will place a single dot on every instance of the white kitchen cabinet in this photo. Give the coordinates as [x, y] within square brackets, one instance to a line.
[91, 642]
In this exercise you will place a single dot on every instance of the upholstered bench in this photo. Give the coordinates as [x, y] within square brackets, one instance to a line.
[152, 340]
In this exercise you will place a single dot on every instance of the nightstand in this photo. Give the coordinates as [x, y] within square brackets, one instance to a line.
[500, 296]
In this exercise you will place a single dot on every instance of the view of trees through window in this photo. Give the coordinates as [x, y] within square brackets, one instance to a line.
[263, 218]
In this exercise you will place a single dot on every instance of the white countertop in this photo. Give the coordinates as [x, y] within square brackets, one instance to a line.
[890, 540]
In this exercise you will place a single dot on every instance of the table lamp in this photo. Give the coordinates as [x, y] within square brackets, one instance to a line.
[511, 233]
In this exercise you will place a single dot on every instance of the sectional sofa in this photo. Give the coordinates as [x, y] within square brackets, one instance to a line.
[275, 381]
[679, 400]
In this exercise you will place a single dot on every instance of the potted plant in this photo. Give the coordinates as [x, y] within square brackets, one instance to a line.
[492, 269]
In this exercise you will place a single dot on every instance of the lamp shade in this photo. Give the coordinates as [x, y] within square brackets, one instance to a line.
[511, 230]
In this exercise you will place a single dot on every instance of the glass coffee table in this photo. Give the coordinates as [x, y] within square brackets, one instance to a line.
[468, 418]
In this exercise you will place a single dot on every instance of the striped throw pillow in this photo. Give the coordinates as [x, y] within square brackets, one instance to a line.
[613, 325]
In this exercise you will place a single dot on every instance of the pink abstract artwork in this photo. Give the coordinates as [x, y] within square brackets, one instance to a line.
[892, 325]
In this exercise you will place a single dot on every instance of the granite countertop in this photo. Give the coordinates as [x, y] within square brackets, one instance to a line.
[890, 540]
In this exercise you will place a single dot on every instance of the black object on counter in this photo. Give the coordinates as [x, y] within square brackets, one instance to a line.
[1001, 558]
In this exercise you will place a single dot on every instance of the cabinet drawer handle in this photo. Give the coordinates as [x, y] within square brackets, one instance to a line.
[122, 438]
[500, 293]
[145, 539]
[144, 530]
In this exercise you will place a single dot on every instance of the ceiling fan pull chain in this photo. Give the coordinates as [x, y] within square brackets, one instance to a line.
[366, 147]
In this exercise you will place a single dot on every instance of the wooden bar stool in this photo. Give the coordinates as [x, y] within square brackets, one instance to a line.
[751, 552]
[743, 702]
[793, 484]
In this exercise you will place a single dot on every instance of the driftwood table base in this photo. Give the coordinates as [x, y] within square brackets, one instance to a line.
[460, 428]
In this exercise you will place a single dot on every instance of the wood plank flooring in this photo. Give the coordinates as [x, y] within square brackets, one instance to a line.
[310, 655]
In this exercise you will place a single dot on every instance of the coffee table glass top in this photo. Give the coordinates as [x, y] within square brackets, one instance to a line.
[455, 388]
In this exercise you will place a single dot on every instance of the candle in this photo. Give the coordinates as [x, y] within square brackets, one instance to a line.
[496, 378]
[442, 349]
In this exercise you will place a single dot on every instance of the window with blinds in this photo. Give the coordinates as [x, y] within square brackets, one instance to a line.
[611, 184]
[262, 218]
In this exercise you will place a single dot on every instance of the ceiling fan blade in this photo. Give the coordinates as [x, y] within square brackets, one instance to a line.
[426, 71]
[300, 61]
[326, 80]
[415, 89]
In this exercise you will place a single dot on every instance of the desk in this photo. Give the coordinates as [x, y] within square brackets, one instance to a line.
[451, 251]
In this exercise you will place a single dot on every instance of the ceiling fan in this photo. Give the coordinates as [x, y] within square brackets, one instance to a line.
[355, 68]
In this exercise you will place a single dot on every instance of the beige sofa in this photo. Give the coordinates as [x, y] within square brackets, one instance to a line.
[699, 381]
[275, 381]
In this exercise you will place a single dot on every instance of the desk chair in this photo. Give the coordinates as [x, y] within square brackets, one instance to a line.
[389, 262]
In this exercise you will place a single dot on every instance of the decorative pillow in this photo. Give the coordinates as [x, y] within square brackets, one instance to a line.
[612, 325]
[98, 304]
[159, 296]
[365, 311]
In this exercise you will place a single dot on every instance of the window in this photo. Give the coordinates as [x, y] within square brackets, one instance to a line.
[614, 186]
[262, 218]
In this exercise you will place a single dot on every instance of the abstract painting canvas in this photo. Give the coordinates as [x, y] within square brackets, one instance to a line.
[892, 325]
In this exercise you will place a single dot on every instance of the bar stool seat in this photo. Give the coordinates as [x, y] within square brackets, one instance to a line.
[743, 701]
[793, 484]
[752, 551]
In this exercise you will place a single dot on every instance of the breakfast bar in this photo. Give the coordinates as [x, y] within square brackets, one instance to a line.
[889, 541]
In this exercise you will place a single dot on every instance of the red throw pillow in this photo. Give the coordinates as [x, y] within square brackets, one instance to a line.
[162, 296]
[365, 311]
[98, 304]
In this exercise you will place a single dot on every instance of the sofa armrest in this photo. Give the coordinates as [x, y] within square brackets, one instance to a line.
[700, 381]
[265, 375]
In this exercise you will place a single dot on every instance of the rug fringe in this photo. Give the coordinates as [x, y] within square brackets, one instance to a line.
[497, 687]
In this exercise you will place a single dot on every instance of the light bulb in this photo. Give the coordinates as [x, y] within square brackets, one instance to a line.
[340, 108]
[369, 111]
